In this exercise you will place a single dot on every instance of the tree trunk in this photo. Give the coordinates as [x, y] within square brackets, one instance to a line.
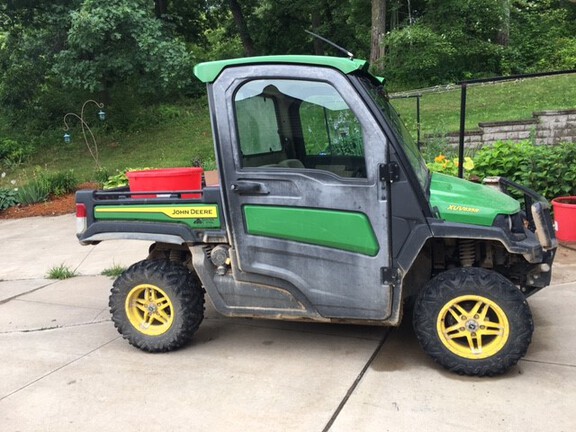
[378, 31]
[316, 22]
[394, 8]
[247, 42]
[160, 8]
[503, 37]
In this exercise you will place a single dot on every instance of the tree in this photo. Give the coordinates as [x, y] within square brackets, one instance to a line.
[278, 26]
[160, 8]
[33, 32]
[121, 42]
[378, 31]
[503, 37]
[189, 19]
[542, 36]
[240, 21]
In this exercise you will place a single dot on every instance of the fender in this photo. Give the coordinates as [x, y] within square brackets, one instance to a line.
[528, 247]
[172, 233]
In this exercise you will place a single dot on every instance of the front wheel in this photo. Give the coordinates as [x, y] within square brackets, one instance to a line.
[157, 305]
[473, 321]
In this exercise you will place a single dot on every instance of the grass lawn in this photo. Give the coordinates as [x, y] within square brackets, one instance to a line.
[513, 100]
[177, 142]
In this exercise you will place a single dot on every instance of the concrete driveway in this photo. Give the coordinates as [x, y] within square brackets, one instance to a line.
[65, 368]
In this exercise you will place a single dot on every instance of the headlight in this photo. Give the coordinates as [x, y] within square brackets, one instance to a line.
[512, 223]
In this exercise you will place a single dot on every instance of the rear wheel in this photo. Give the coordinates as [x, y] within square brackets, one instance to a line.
[157, 305]
[473, 321]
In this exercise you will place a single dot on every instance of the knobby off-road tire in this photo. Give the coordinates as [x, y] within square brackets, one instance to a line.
[473, 321]
[157, 305]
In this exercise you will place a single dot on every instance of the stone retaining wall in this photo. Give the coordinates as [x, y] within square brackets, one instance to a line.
[547, 127]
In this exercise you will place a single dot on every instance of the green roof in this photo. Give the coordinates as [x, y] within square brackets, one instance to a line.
[208, 72]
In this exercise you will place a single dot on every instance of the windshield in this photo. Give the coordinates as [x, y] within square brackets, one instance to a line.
[404, 138]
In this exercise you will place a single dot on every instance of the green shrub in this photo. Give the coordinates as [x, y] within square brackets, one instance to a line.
[167, 112]
[8, 198]
[13, 153]
[101, 175]
[61, 183]
[33, 192]
[43, 185]
[549, 170]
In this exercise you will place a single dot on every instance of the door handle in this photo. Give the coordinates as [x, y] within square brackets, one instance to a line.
[249, 188]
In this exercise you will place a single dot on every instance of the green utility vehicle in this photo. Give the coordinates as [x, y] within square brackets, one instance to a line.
[325, 211]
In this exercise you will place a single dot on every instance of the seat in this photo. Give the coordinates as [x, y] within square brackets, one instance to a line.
[291, 163]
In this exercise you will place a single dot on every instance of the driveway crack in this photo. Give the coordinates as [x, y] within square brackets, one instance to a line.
[58, 369]
[356, 381]
[55, 327]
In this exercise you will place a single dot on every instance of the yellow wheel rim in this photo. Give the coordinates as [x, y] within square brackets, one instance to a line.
[473, 327]
[149, 310]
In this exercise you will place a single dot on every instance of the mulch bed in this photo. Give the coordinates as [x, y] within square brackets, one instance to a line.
[55, 206]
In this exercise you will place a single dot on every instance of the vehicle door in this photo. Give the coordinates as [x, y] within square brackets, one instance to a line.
[300, 157]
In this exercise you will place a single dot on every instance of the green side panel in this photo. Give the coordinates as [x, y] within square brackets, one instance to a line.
[208, 72]
[347, 231]
[459, 200]
[196, 216]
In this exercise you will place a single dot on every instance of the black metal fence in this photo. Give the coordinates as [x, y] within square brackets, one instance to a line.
[463, 95]
[418, 94]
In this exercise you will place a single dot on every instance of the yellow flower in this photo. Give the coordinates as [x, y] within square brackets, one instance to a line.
[440, 158]
[468, 163]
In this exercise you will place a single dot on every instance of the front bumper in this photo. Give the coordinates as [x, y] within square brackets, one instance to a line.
[537, 218]
[537, 215]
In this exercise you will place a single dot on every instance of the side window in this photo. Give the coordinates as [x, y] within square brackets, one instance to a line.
[298, 124]
[334, 132]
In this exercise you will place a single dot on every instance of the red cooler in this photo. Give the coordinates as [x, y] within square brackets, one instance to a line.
[166, 180]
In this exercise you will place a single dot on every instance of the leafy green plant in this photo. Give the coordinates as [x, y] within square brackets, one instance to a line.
[101, 175]
[116, 181]
[546, 169]
[33, 192]
[61, 183]
[166, 112]
[60, 272]
[8, 198]
[13, 153]
[115, 271]
[45, 184]
[120, 179]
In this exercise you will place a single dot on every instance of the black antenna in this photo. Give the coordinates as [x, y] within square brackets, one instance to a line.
[329, 42]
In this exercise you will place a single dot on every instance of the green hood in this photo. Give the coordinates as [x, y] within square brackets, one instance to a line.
[462, 201]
